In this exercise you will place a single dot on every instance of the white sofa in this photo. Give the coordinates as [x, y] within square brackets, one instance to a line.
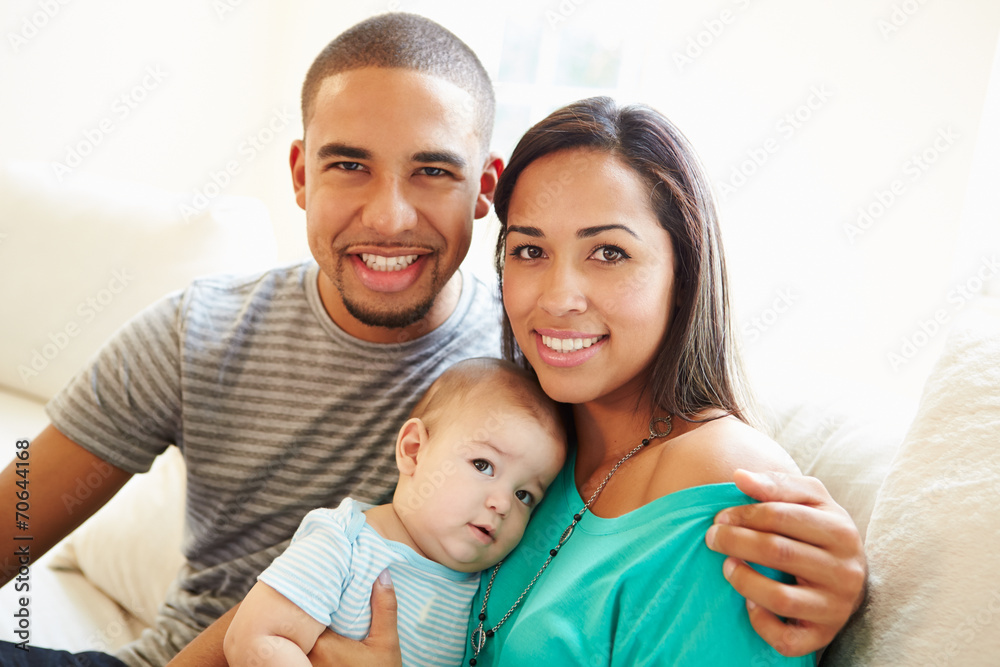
[923, 489]
[80, 256]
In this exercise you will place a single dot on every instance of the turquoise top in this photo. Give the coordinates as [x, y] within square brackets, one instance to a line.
[639, 589]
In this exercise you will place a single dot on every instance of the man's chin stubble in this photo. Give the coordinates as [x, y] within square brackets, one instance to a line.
[390, 320]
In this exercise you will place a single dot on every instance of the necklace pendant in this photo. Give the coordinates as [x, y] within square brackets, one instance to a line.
[565, 535]
[478, 639]
[654, 423]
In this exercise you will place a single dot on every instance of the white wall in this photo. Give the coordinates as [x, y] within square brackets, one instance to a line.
[886, 80]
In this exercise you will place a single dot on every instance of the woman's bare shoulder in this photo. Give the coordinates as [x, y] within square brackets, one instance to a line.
[711, 452]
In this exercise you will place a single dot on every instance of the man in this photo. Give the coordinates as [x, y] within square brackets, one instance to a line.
[282, 389]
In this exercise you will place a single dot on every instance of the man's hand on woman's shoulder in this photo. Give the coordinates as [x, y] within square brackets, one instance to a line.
[797, 528]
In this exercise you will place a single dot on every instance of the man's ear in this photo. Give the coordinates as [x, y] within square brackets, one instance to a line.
[411, 437]
[488, 184]
[297, 161]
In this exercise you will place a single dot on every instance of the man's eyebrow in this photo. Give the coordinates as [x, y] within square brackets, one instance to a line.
[336, 149]
[447, 157]
[585, 233]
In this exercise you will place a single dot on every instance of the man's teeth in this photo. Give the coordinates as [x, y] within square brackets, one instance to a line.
[383, 263]
[568, 344]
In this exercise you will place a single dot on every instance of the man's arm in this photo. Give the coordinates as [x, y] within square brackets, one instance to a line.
[65, 484]
[797, 528]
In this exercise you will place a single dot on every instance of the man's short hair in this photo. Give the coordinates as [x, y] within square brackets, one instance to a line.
[405, 41]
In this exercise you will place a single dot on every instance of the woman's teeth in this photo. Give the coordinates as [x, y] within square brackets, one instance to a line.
[383, 263]
[568, 344]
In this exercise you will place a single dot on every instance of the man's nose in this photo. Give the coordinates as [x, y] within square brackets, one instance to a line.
[389, 210]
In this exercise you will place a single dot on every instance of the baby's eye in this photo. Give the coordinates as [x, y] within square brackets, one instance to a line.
[483, 466]
[525, 497]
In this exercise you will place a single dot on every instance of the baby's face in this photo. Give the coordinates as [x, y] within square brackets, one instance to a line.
[477, 483]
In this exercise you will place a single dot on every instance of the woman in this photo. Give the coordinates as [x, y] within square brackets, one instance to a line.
[615, 294]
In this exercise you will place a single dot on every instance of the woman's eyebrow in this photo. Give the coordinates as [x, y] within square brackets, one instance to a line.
[588, 232]
[527, 231]
[585, 233]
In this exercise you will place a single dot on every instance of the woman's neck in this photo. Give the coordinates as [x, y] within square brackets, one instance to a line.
[604, 435]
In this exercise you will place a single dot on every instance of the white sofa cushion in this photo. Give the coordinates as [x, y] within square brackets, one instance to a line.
[131, 548]
[84, 255]
[934, 539]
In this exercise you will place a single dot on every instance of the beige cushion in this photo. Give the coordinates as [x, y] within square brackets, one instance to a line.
[934, 538]
[131, 548]
[86, 254]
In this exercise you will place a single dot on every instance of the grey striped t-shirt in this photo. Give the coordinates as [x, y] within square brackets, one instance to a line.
[276, 410]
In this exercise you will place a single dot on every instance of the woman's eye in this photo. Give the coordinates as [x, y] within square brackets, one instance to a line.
[483, 466]
[527, 252]
[525, 497]
[610, 253]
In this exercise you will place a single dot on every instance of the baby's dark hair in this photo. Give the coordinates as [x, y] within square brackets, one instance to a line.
[405, 41]
[473, 377]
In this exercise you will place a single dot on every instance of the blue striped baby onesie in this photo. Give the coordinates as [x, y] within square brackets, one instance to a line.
[330, 566]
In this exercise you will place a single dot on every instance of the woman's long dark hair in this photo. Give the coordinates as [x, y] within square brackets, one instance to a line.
[697, 366]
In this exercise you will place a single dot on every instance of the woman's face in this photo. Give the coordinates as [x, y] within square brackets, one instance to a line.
[588, 279]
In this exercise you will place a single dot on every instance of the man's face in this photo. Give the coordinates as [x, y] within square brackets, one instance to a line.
[391, 174]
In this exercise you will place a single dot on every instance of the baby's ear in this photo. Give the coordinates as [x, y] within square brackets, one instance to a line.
[412, 436]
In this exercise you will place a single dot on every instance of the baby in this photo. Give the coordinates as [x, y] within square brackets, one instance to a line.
[475, 458]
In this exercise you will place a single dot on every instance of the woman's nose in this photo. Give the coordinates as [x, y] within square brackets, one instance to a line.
[561, 291]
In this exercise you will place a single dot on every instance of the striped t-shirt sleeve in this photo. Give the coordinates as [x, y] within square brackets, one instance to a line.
[126, 406]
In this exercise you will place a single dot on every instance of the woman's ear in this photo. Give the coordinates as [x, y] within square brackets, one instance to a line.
[412, 436]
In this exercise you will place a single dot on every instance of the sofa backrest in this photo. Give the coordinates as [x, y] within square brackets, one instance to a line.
[81, 256]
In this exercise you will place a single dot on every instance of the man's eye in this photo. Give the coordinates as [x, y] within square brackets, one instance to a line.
[348, 166]
[433, 171]
[525, 497]
[483, 466]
